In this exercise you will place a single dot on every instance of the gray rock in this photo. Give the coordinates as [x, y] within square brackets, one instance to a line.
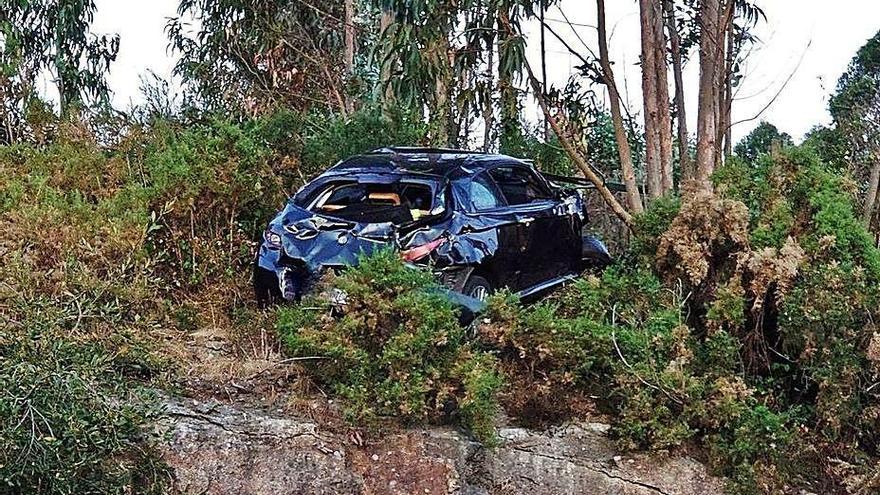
[220, 449]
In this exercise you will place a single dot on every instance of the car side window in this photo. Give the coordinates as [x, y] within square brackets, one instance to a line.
[484, 195]
[519, 185]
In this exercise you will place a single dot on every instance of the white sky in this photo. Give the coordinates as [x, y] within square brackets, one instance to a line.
[825, 35]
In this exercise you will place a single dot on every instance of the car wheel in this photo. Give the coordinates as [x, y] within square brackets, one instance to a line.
[478, 287]
[595, 255]
[266, 290]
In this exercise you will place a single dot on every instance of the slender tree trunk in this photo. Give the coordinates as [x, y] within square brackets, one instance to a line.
[385, 22]
[509, 101]
[873, 186]
[664, 119]
[456, 87]
[441, 107]
[684, 158]
[728, 89]
[649, 98]
[7, 102]
[543, 8]
[633, 196]
[488, 103]
[711, 57]
[349, 48]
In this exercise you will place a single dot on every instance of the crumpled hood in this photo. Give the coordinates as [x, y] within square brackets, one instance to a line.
[321, 241]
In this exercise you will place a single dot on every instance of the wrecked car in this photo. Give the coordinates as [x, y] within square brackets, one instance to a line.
[479, 221]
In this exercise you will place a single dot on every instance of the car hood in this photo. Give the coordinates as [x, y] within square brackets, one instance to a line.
[320, 240]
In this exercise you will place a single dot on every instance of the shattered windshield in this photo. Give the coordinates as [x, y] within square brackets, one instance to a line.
[398, 202]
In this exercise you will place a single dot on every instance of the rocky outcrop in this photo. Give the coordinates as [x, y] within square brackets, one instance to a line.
[220, 449]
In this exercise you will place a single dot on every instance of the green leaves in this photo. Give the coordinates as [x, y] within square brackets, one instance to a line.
[70, 421]
[395, 349]
[250, 57]
[55, 35]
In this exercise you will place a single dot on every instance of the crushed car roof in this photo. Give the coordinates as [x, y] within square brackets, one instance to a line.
[430, 161]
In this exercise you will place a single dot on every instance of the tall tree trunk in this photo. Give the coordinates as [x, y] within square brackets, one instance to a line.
[711, 59]
[664, 118]
[349, 48]
[543, 8]
[441, 107]
[684, 158]
[873, 186]
[509, 100]
[728, 89]
[385, 22]
[649, 98]
[633, 196]
[488, 103]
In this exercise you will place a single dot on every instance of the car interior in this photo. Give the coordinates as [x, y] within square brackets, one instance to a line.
[518, 185]
[397, 203]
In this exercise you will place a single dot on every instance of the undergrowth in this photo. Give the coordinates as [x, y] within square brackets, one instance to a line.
[741, 322]
[394, 348]
[116, 255]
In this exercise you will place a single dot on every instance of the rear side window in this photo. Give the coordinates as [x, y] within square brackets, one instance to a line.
[519, 185]
[484, 195]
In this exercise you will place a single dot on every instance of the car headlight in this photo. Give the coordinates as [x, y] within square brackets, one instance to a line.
[273, 239]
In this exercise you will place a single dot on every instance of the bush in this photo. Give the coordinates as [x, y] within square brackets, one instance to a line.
[330, 139]
[394, 349]
[751, 331]
[622, 338]
[72, 420]
[101, 247]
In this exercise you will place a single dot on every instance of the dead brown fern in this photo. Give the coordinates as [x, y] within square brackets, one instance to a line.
[707, 231]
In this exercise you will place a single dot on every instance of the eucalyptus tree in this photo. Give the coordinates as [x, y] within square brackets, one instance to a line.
[655, 94]
[679, 45]
[760, 141]
[633, 195]
[855, 107]
[421, 51]
[725, 30]
[52, 36]
[453, 59]
[253, 56]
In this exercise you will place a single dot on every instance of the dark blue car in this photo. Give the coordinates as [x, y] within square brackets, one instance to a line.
[479, 221]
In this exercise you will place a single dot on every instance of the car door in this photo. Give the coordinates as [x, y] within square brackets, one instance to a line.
[549, 245]
[487, 205]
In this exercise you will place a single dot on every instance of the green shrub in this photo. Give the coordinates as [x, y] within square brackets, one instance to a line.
[623, 338]
[396, 349]
[72, 420]
[330, 139]
[651, 224]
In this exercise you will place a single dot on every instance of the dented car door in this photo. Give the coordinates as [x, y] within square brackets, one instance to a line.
[548, 246]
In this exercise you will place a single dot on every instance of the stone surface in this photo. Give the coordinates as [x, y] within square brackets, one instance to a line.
[221, 449]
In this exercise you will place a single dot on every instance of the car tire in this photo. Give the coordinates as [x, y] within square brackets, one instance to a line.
[595, 255]
[266, 290]
[478, 287]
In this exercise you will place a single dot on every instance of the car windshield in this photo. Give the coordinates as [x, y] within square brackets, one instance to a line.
[398, 202]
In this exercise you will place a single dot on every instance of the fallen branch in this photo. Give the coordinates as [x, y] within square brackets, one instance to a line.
[569, 147]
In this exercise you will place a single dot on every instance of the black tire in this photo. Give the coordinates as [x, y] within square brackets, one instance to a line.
[266, 290]
[478, 287]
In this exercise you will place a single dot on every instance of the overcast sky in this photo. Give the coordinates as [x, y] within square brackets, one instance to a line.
[823, 36]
